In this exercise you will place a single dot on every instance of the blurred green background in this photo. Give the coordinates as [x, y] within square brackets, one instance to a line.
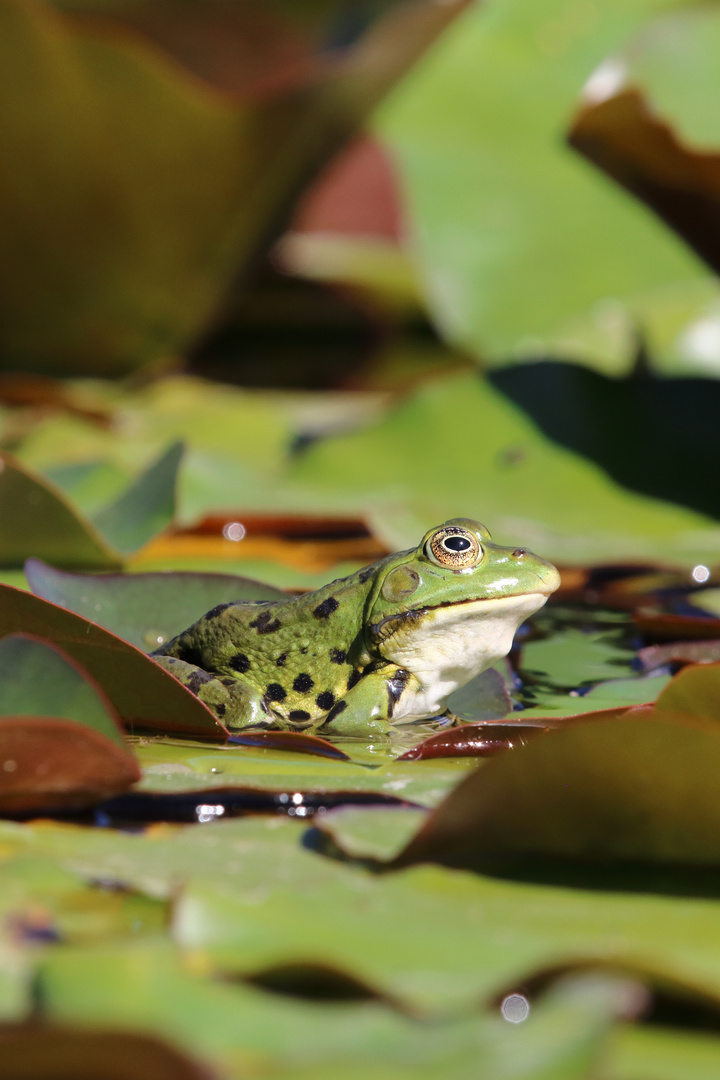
[451, 258]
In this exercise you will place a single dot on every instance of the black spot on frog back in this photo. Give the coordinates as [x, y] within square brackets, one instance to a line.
[326, 608]
[275, 692]
[217, 610]
[265, 624]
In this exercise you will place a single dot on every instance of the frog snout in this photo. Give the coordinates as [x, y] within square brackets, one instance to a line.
[548, 577]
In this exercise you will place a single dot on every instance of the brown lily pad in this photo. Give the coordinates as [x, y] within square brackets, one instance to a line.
[472, 740]
[679, 652]
[296, 741]
[60, 738]
[628, 140]
[639, 787]
[48, 1052]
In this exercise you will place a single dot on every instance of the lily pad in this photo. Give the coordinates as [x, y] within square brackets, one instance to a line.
[144, 609]
[60, 741]
[295, 779]
[640, 787]
[249, 897]
[505, 463]
[503, 237]
[146, 507]
[371, 832]
[571, 658]
[37, 520]
[53, 1053]
[484, 698]
[143, 694]
[177, 183]
[240, 1029]
[476, 740]
[694, 691]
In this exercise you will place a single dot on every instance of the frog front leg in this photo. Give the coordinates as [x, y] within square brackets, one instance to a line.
[234, 701]
[366, 709]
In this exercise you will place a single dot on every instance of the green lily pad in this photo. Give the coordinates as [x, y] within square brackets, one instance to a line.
[146, 507]
[176, 769]
[37, 520]
[526, 251]
[250, 898]
[39, 679]
[665, 1053]
[60, 740]
[571, 658]
[371, 832]
[142, 693]
[247, 1031]
[144, 609]
[484, 698]
[504, 463]
[45, 903]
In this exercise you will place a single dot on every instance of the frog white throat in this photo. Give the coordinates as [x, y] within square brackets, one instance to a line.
[450, 645]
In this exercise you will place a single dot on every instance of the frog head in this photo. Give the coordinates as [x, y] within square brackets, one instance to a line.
[449, 608]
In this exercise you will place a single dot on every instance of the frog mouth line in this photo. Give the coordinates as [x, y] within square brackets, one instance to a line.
[390, 624]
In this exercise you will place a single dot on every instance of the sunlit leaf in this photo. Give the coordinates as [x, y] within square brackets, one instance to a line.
[248, 897]
[694, 691]
[641, 787]
[665, 1053]
[293, 778]
[570, 658]
[371, 832]
[252, 1032]
[654, 131]
[507, 476]
[37, 520]
[524, 250]
[146, 507]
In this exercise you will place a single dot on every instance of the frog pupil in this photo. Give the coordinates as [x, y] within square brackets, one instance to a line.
[456, 543]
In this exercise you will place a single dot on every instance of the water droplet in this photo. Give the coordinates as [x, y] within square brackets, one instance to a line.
[234, 530]
[515, 1008]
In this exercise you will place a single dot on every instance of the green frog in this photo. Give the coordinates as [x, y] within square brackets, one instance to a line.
[386, 645]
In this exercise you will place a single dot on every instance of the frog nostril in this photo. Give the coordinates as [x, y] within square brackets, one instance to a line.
[518, 552]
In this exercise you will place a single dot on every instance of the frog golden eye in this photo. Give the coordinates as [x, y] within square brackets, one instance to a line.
[454, 547]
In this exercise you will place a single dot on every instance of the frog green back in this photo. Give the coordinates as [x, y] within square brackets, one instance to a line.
[301, 654]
